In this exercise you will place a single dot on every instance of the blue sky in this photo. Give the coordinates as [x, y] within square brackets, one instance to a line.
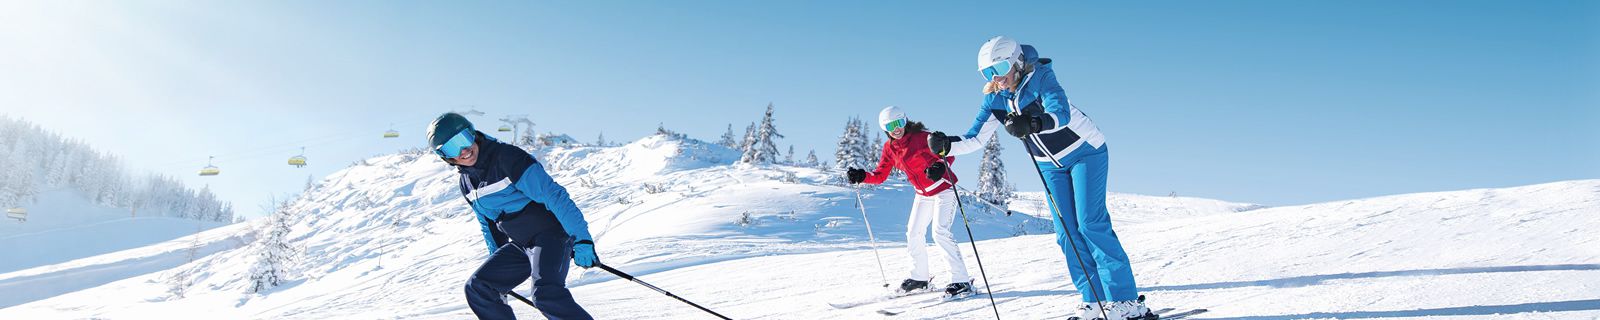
[1274, 102]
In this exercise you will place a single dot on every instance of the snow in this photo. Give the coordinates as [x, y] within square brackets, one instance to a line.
[63, 226]
[391, 239]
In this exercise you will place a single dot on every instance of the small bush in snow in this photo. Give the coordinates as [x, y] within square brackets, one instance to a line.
[653, 188]
[745, 220]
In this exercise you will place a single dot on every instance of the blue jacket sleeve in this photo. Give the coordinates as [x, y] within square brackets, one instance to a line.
[539, 187]
[1054, 99]
[491, 235]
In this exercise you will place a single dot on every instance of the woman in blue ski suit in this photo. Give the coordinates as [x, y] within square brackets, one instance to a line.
[1024, 97]
[530, 223]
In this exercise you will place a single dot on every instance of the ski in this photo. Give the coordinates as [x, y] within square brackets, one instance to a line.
[858, 303]
[1181, 315]
[922, 305]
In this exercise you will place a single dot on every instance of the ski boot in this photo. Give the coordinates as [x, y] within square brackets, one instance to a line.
[1088, 311]
[1130, 310]
[957, 290]
[912, 286]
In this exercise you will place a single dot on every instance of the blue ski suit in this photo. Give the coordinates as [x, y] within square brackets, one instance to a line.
[1071, 154]
[530, 225]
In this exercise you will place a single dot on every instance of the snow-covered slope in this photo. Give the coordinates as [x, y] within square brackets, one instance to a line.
[63, 225]
[392, 239]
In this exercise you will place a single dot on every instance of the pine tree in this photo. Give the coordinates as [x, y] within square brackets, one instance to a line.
[811, 159]
[748, 140]
[789, 158]
[764, 150]
[727, 138]
[274, 253]
[601, 141]
[992, 185]
[851, 150]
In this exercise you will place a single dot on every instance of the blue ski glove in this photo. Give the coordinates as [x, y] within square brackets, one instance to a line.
[583, 254]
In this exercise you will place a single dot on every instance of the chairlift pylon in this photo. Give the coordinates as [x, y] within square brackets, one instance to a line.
[299, 161]
[210, 170]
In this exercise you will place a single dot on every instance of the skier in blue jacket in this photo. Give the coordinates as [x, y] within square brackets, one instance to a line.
[1023, 96]
[530, 223]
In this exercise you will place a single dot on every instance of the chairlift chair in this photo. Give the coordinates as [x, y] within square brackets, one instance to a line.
[391, 133]
[299, 161]
[19, 213]
[210, 170]
[505, 128]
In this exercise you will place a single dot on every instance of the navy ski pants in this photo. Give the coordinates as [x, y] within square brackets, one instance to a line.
[545, 261]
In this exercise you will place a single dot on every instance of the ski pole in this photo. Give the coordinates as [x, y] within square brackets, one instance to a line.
[520, 297]
[874, 239]
[974, 242]
[991, 205]
[625, 275]
[1055, 208]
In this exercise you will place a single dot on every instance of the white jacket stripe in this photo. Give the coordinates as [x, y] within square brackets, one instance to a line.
[478, 193]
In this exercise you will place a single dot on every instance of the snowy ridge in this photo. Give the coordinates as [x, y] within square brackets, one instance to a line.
[392, 239]
[655, 204]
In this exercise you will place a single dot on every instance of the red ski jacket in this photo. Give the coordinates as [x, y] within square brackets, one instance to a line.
[910, 154]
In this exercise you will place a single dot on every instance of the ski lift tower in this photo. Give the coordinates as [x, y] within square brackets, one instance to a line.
[517, 122]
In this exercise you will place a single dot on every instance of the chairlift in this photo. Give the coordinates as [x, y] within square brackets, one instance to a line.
[210, 170]
[391, 133]
[299, 161]
[18, 213]
[505, 128]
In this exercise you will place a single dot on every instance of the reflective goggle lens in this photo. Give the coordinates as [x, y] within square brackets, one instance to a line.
[999, 68]
[896, 124]
[452, 148]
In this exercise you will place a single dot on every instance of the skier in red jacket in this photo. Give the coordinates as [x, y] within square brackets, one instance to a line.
[907, 150]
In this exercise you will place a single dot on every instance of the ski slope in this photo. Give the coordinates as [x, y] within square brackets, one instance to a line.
[391, 239]
[63, 226]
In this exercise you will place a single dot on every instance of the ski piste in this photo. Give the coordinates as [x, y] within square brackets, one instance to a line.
[881, 298]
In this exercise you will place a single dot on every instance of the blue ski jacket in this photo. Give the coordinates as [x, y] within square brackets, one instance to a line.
[1068, 133]
[515, 199]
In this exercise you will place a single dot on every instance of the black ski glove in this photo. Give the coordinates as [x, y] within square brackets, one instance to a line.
[936, 171]
[856, 175]
[939, 143]
[1022, 125]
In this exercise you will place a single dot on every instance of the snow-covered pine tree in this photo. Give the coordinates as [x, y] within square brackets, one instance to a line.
[275, 255]
[992, 185]
[789, 157]
[601, 141]
[16, 189]
[727, 139]
[851, 150]
[748, 140]
[811, 159]
[764, 150]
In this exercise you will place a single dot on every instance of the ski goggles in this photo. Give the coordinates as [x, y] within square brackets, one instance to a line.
[999, 68]
[896, 124]
[452, 148]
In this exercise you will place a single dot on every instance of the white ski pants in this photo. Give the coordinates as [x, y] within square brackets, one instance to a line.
[924, 210]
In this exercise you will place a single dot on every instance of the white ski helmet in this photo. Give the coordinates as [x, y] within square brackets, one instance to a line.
[998, 49]
[890, 114]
